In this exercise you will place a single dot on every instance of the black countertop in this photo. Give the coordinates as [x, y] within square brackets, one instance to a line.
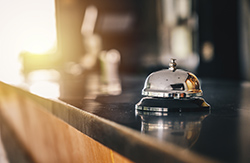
[222, 133]
[219, 134]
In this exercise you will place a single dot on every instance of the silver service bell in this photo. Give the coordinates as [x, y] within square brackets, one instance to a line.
[172, 90]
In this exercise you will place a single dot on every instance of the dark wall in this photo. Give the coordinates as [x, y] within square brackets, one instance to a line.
[218, 24]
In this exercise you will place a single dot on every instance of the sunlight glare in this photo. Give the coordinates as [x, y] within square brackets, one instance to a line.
[26, 25]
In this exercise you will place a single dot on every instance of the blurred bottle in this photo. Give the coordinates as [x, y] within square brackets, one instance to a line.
[178, 32]
[110, 80]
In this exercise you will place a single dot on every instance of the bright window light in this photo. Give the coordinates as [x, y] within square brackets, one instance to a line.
[26, 25]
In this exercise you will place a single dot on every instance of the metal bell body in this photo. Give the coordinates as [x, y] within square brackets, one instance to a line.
[172, 83]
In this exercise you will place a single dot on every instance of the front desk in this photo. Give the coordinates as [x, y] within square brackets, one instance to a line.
[107, 128]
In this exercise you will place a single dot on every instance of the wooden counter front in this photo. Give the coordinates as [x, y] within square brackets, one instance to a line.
[36, 129]
[29, 129]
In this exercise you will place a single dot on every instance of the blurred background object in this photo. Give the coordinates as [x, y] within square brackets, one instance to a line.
[244, 42]
[110, 80]
[209, 38]
[178, 32]
[126, 25]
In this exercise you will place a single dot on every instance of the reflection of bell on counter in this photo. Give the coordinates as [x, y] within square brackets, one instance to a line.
[172, 90]
[182, 129]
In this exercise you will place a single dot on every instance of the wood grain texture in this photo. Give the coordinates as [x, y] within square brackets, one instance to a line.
[45, 137]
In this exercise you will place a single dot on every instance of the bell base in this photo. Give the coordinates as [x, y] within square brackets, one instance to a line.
[152, 104]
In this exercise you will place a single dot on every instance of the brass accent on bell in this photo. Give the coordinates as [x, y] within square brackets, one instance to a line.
[193, 84]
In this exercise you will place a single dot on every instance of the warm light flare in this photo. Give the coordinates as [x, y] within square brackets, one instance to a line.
[39, 40]
[26, 25]
[44, 83]
[46, 89]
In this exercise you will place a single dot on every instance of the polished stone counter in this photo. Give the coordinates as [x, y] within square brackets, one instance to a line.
[220, 134]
